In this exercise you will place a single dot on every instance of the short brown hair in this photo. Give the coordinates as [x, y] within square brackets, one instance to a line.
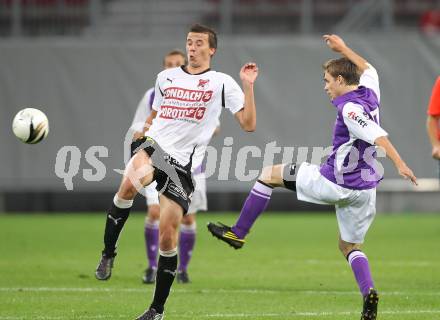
[175, 52]
[212, 36]
[344, 68]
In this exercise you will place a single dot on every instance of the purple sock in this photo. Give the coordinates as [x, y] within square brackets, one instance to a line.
[256, 203]
[151, 234]
[359, 263]
[186, 245]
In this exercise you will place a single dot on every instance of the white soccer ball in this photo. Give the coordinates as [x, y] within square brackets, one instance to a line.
[30, 125]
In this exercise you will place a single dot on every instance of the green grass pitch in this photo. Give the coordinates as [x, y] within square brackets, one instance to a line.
[290, 268]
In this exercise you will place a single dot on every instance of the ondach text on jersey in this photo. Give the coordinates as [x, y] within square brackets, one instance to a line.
[187, 95]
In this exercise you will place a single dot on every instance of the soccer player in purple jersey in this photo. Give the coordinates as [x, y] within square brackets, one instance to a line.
[348, 178]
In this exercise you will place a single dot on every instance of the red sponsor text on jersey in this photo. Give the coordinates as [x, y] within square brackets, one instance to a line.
[182, 94]
[172, 112]
[358, 119]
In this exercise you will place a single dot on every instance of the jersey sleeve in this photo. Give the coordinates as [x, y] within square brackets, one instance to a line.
[232, 95]
[370, 79]
[434, 102]
[360, 125]
[142, 111]
[158, 94]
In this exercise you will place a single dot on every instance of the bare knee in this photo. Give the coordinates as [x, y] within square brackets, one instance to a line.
[138, 173]
[272, 175]
[126, 190]
[347, 247]
[153, 212]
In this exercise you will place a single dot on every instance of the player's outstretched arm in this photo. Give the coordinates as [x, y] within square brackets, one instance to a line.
[335, 43]
[394, 156]
[247, 117]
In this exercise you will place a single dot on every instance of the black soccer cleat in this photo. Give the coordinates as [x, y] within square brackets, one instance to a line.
[371, 301]
[225, 234]
[104, 268]
[182, 277]
[150, 314]
[149, 276]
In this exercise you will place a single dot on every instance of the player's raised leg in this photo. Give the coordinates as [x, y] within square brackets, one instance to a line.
[281, 175]
[139, 172]
[170, 216]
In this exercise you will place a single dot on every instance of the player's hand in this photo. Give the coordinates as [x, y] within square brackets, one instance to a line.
[436, 152]
[137, 135]
[249, 72]
[407, 173]
[334, 42]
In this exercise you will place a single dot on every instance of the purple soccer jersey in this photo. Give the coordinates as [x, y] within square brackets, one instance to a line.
[352, 164]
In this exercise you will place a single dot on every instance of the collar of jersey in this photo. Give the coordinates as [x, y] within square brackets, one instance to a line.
[194, 74]
[345, 97]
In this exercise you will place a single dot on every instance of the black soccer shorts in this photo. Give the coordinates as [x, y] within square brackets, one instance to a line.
[173, 179]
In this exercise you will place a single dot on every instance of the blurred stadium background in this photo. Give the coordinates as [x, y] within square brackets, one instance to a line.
[87, 63]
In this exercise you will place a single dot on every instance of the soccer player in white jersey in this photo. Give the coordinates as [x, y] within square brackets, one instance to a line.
[172, 59]
[347, 179]
[187, 234]
[187, 104]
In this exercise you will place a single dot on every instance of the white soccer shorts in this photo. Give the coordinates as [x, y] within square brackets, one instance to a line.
[199, 201]
[151, 194]
[355, 209]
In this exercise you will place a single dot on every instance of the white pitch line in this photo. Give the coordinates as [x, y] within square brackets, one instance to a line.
[392, 263]
[233, 315]
[308, 314]
[384, 293]
[64, 317]
[215, 291]
[57, 289]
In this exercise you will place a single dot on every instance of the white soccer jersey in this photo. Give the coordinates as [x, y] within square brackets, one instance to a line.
[143, 111]
[189, 107]
[370, 79]
[199, 154]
